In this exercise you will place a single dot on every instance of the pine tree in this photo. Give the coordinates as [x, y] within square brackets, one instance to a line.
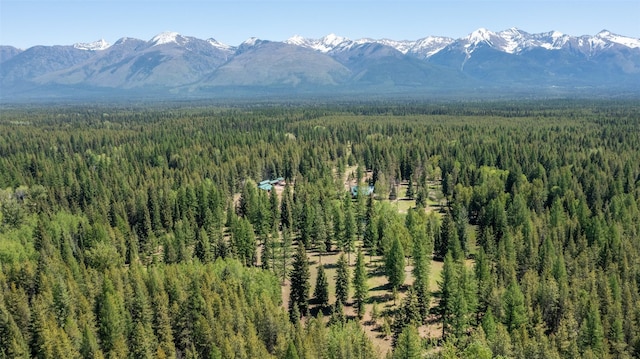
[342, 280]
[300, 286]
[447, 233]
[110, 315]
[338, 224]
[394, 264]
[410, 189]
[464, 301]
[291, 353]
[489, 324]
[286, 210]
[360, 284]
[12, 342]
[321, 291]
[407, 314]
[350, 227]
[274, 209]
[370, 229]
[448, 286]
[244, 241]
[591, 331]
[515, 313]
[321, 238]
[203, 247]
[483, 279]
[286, 247]
[461, 218]
[408, 345]
[267, 251]
[421, 273]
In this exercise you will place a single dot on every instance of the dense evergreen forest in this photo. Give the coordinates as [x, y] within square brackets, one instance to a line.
[500, 230]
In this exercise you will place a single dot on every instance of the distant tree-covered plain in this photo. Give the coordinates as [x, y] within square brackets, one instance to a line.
[404, 230]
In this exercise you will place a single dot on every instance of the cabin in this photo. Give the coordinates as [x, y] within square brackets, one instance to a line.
[267, 185]
[354, 191]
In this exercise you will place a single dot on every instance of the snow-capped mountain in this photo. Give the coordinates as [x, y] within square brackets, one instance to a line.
[333, 43]
[218, 45]
[92, 46]
[168, 37]
[173, 63]
[326, 44]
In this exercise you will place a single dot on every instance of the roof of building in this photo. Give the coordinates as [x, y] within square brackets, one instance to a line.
[265, 186]
[354, 190]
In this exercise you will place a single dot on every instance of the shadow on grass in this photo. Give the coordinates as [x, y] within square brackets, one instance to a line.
[326, 310]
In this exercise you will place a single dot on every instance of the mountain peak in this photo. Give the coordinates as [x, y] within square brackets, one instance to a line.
[333, 39]
[252, 41]
[480, 35]
[166, 37]
[607, 35]
[217, 44]
[296, 40]
[92, 46]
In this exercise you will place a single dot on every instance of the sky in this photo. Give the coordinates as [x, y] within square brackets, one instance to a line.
[25, 23]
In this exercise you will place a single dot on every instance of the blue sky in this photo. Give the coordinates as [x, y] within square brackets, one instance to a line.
[24, 23]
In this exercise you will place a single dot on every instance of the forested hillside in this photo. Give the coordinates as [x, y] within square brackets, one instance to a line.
[506, 230]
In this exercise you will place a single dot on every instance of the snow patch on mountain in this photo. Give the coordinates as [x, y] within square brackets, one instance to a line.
[430, 46]
[93, 46]
[326, 44]
[553, 40]
[219, 45]
[480, 35]
[617, 39]
[252, 41]
[297, 40]
[167, 37]
[332, 43]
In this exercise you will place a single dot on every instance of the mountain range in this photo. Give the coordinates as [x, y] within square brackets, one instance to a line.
[180, 66]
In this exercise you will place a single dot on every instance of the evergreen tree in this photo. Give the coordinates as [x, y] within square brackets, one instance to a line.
[244, 241]
[203, 247]
[370, 229]
[483, 279]
[286, 209]
[248, 205]
[342, 280]
[291, 352]
[360, 284]
[407, 314]
[12, 342]
[514, 307]
[394, 264]
[410, 189]
[286, 247]
[408, 345]
[274, 209]
[461, 218]
[338, 224]
[350, 227]
[421, 262]
[111, 321]
[266, 255]
[447, 234]
[447, 287]
[321, 291]
[300, 286]
[591, 331]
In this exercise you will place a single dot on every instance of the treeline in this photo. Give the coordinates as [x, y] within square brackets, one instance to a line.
[125, 233]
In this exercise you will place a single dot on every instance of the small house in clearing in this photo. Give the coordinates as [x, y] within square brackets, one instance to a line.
[354, 191]
[267, 185]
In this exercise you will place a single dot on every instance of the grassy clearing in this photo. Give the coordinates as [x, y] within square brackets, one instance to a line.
[379, 292]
